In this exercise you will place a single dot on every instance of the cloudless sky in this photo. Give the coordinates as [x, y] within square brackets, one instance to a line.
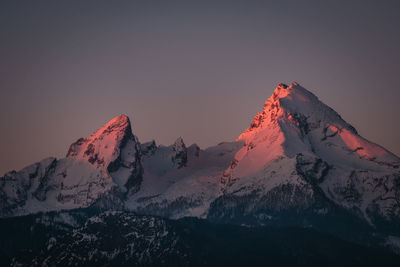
[196, 69]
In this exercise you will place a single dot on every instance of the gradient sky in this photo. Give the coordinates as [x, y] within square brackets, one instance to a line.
[200, 70]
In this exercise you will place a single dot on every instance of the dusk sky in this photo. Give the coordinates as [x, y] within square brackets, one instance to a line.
[200, 70]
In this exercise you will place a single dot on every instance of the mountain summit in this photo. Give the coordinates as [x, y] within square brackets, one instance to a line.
[103, 146]
[300, 156]
[294, 121]
[115, 149]
[299, 119]
[299, 163]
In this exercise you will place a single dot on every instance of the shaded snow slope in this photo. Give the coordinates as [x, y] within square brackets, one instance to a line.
[175, 191]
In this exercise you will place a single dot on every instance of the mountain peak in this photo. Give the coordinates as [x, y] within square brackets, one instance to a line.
[103, 146]
[178, 144]
[117, 124]
[281, 90]
[119, 119]
[287, 102]
[294, 121]
[180, 153]
[294, 92]
[282, 86]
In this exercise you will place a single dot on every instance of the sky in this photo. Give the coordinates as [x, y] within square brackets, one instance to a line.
[196, 69]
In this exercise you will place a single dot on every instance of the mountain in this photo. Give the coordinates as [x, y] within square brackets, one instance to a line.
[300, 155]
[120, 238]
[298, 164]
[102, 169]
[114, 150]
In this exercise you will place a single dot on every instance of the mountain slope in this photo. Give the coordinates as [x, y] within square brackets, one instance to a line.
[126, 239]
[175, 191]
[299, 156]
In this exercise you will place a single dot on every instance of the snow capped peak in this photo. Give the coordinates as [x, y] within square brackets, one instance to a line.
[291, 104]
[119, 124]
[115, 150]
[282, 90]
[294, 121]
[103, 146]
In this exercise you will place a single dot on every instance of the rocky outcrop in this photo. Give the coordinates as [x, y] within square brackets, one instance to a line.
[179, 158]
[148, 148]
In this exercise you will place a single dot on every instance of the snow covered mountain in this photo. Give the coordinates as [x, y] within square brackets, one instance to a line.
[300, 155]
[298, 163]
[102, 169]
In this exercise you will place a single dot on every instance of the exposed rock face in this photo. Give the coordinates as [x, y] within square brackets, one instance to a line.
[180, 153]
[16, 188]
[148, 148]
[44, 181]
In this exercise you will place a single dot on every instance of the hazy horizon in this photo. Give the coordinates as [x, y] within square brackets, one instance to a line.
[196, 70]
